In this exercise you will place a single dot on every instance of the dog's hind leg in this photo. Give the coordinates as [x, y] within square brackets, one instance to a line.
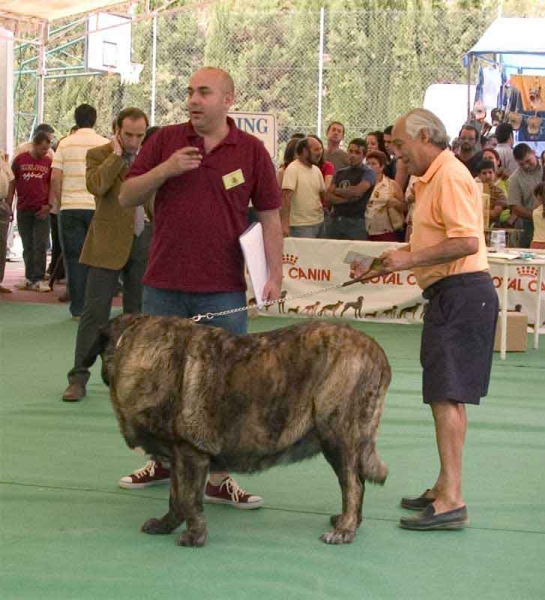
[192, 468]
[345, 465]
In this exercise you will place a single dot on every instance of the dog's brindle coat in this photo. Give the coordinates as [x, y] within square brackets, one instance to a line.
[206, 399]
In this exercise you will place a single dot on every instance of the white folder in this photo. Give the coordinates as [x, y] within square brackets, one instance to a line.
[253, 249]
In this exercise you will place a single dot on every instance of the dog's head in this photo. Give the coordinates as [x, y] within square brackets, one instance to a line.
[106, 342]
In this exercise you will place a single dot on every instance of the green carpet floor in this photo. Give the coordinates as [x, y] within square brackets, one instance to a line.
[68, 532]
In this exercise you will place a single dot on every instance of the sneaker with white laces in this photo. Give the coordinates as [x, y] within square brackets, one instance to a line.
[23, 284]
[41, 286]
[153, 473]
[229, 492]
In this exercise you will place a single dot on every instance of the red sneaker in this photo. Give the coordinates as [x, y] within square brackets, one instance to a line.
[229, 492]
[154, 473]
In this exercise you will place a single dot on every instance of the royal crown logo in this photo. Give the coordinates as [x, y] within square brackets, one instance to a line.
[289, 259]
[527, 271]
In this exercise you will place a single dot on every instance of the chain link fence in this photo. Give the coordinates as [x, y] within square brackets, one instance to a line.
[364, 68]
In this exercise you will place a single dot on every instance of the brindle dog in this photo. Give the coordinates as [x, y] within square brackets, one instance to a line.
[208, 400]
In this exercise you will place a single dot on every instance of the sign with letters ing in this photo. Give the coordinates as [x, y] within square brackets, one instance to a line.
[262, 125]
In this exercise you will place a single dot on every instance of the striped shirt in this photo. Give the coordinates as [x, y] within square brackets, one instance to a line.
[70, 159]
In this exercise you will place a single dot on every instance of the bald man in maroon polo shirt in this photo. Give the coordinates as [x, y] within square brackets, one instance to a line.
[204, 173]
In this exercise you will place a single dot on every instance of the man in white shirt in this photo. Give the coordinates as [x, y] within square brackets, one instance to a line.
[504, 147]
[303, 192]
[77, 205]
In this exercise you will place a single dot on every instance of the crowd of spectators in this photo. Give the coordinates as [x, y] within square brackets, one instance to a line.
[364, 192]
[352, 191]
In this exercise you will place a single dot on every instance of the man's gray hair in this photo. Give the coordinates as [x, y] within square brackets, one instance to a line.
[419, 119]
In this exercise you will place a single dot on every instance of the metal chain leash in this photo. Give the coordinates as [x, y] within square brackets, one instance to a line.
[209, 316]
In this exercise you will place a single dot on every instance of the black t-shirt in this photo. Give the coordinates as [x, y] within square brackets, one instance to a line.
[473, 163]
[349, 177]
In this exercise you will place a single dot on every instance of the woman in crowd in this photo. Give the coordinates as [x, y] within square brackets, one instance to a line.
[538, 217]
[386, 209]
[289, 157]
[375, 143]
[492, 155]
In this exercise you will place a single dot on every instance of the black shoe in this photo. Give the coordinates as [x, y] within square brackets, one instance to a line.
[429, 521]
[416, 502]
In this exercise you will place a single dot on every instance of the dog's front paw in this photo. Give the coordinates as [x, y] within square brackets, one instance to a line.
[338, 536]
[197, 539]
[157, 527]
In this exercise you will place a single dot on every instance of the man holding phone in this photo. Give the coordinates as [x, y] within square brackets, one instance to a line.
[117, 241]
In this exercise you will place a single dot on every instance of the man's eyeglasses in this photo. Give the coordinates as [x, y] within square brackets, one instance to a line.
[466, 139]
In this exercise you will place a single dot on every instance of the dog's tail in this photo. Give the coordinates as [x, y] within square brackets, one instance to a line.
[371, 466]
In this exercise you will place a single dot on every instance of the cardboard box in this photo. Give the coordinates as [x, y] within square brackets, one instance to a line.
[517, 336]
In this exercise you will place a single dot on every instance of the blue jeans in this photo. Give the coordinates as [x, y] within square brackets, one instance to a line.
[346, 228]
[74, 224]
[171, 303]
[307, 231]
[34, 234]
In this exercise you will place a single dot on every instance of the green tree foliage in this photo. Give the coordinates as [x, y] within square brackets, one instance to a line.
[379, 58]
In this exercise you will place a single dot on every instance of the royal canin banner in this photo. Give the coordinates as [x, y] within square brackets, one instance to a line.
[310, 265]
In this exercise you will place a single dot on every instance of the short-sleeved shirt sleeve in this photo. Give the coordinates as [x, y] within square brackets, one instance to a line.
[265, 194]
[290, 178]
[327, 168]
[148, 157]
[58, 159]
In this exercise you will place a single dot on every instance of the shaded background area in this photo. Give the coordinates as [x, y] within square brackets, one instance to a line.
[69, 532]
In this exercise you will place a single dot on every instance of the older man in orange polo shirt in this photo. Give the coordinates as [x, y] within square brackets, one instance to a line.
[447, 253]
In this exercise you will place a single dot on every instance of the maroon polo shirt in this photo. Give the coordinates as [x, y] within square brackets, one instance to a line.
[198, 216]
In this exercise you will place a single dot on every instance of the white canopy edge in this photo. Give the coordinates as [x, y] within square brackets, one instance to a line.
[512, 36]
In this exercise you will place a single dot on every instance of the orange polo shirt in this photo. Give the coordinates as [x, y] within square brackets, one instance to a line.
[448, 205]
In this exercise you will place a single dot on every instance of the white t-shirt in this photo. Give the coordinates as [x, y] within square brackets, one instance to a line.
[306, 184]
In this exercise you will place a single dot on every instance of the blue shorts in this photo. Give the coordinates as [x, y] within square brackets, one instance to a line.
[458, 338]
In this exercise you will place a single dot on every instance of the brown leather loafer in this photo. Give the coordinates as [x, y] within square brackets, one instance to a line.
[416, 502]
[427, 520]
[74, 392]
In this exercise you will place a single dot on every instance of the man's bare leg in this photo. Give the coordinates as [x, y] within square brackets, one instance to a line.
[450, 431]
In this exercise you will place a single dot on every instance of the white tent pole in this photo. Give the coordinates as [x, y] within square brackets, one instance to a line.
[153, 70]
[320, 72]
[44, 29]
[469, 85]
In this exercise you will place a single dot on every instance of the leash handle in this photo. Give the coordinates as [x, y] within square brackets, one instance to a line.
[374, 270]
[369, 275]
